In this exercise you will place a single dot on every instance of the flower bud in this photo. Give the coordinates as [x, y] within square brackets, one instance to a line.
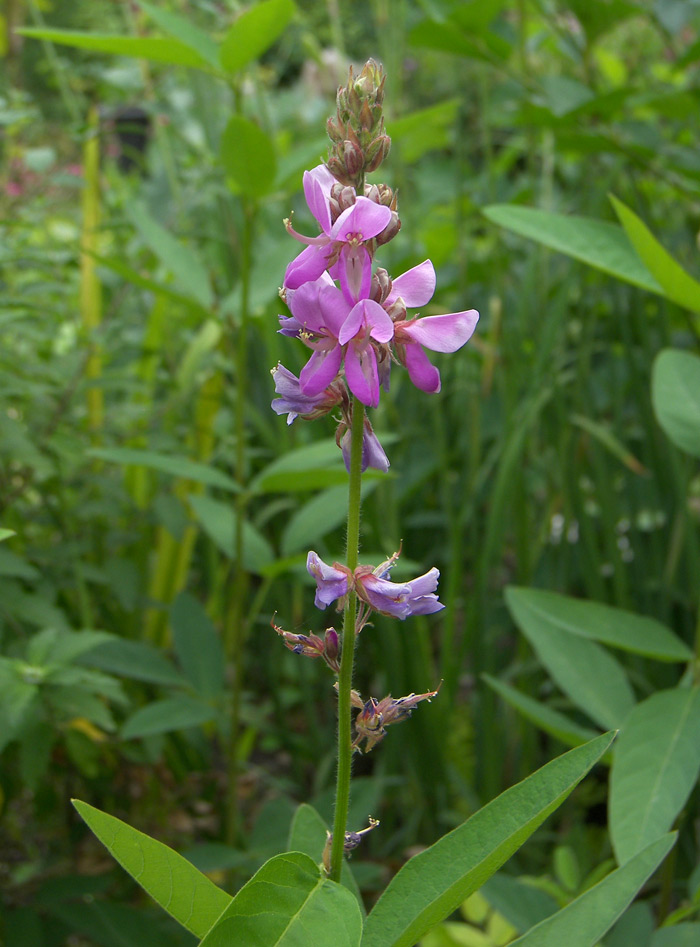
[377, 151]
[381, 285]
[353, 158]
[390, 231]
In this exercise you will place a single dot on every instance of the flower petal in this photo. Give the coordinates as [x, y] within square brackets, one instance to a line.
[442, 333]
[422, 373]
[355, 273]
[317, 187]
[361, 374]
[320, 370]
[416, 286]
[307, 266]
[331, 583]
[364, 218]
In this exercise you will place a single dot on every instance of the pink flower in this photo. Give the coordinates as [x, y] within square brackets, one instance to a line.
[356, 224]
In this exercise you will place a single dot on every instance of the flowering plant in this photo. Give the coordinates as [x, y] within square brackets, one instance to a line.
[353, 317]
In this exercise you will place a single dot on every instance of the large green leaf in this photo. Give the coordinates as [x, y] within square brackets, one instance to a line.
[655, 766]
[289, 903]
[611, 626]
[218, 520]
[248, 156]
[171, 464]
[308, 833]
[164, 716]
[675, 394]
[587, 673]
[137, 660]
[154, 48]
[680, 935]
[677, 285]
[185, 893]
[595, 242]
[6, 533]
[254, 31]
[432, 884]
[187, 269]
[551, 721]
[326, 511]
[583, 922]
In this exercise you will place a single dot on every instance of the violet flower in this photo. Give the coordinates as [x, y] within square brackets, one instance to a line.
[372, 451]
[294, 403]
[332, 582]
[355, 225]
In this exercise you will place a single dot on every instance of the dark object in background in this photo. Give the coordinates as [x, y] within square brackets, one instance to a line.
[132, 128]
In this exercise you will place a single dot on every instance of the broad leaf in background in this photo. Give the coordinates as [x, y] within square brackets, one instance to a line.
[318, 517]
[185, 31]
[583, 922]
[612, 626]
[587, 673]
[166, 463]
[655, 766]
[137, 660]
[156, 49]
[188, 271]
[254, 31]
[248, 157]
[289, 902]
[678, 286]
[681, 935]
[6, 533]
[595, 242]
[675, 394]
[185, 893]
[164, 716]
[551, 721]
[198, 646]
[434, 883]
[218, 520]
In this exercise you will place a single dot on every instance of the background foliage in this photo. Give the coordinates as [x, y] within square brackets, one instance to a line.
[161, 512]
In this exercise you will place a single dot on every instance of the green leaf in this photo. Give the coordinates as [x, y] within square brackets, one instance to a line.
[184, 31]
[320, 458]
[136, 660]
[197, 645]
[185, 893]
[188, 271]
[599, 622]
[655, 766]
[677, 285]
[254, 31]
[144, 282]
[681, 935]
[307, 834]
[588, 674]
[164, 716]
[6, 533]
[424, 129]
[13, 565]
[604, 435]
[218, 520]
[318, 517]
[675, 394]
[600, 244]
[435, 882]
[583, 922]
[551, 721]
[155, 49]
[172, 464]
[289, 903]
[248, 157]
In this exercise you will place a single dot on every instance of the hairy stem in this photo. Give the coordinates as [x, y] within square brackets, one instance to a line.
[342, 796]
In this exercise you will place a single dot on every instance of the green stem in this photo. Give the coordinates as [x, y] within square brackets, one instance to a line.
[342, 797]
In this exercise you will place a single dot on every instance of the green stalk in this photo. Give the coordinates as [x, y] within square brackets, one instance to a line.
[342, 796]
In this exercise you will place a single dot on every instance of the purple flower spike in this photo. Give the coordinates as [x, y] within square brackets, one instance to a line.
[331, 581]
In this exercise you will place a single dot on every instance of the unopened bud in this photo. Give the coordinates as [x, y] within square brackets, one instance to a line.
[381, 285]
[353, 158]
[377, 151]
[390, 231]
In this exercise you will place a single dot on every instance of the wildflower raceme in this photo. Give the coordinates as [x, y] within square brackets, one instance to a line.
[353, 317]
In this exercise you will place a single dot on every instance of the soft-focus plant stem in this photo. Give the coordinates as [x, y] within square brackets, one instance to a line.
[342, 796]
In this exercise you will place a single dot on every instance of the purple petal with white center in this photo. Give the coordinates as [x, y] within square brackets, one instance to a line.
[442, 333]
[320, 370]
[331, 583]
[422, 372]
[364, 218]
[361, 374]
[416, 286]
